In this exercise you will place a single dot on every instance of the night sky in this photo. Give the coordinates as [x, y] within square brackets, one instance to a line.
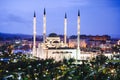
[98, 17]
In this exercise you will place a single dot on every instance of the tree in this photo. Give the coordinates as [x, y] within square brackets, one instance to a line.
[100, 59]
[71, 60]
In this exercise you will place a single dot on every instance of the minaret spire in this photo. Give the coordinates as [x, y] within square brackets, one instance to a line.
[34, 34]
[44, 25]
[44, 12]
[65, 15]
[78, 35]
[34, 14]
[65, 29]
[78, 12]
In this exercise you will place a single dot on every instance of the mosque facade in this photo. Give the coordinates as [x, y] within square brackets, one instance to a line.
[54, 47]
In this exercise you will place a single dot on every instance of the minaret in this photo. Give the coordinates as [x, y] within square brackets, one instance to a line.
[34, 35]
[65, 29]
[78, 36]
[44, 26]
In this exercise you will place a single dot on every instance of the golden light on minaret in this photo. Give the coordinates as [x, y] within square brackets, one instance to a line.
[44, 26]
[34, 35]
[65, 29]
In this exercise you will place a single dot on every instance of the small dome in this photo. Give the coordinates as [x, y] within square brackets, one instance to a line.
[53, 35]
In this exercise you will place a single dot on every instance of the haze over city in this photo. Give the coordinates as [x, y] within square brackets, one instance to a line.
[97, 17]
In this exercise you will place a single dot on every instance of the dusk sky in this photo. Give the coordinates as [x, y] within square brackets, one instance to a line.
[98, 17]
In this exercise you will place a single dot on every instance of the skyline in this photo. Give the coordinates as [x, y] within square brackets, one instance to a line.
[16, 17]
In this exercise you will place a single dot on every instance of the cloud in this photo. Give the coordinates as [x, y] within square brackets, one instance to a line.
[15, 18]
[14, 23]
[11, 17]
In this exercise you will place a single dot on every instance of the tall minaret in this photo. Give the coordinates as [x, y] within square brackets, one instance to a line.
[34, 35]
[65, 29]
[44, 26]
[78, 36]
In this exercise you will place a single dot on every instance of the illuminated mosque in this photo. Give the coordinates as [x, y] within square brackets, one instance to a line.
[54, 47]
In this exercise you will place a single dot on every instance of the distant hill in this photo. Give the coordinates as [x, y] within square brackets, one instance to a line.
[5, 35]
[8, 36]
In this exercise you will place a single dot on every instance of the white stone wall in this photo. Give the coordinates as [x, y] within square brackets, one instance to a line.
[60, 54]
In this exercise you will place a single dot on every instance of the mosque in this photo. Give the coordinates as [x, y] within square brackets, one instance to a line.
[54, 47]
